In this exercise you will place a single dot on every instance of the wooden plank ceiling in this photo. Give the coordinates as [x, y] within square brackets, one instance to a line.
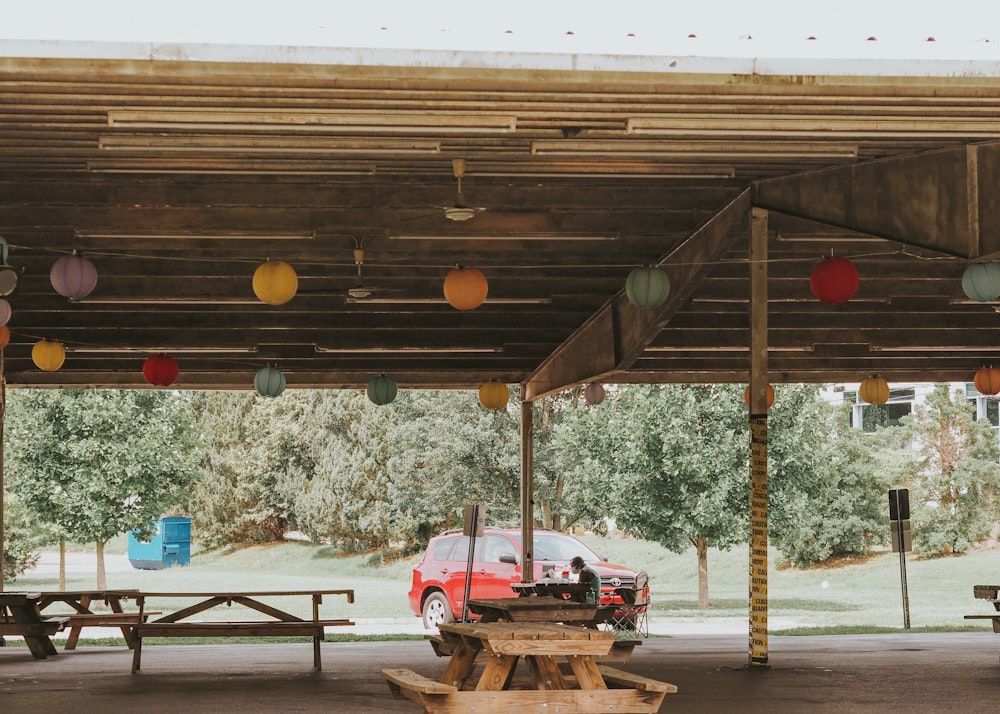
[177, 179]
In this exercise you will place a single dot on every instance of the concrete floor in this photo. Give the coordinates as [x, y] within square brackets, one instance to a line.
[873, 673]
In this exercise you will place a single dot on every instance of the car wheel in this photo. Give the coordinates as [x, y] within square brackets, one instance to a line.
[436, 611]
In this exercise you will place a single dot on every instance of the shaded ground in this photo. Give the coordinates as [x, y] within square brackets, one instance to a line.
[950, 672]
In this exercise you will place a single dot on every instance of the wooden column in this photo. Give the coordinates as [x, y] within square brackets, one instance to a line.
[758, 437]
[527, 491]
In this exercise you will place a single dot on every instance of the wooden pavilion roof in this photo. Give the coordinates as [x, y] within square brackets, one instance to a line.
[177, 178]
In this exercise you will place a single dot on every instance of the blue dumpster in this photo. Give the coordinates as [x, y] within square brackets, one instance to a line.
[170, 545]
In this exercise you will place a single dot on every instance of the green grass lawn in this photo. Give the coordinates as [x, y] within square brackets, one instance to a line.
[861, 596]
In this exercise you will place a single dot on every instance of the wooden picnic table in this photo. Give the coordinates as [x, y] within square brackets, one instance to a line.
[275, 623]
[534, 609]
[550, 588]
[82, 605]
[587, 687]
[20, 615]
[989, 593]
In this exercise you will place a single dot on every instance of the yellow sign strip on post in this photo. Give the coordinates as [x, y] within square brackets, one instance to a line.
[758, 540]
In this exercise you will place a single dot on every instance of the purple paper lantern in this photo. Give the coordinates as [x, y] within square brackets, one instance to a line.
[4, 312]
[73, 276]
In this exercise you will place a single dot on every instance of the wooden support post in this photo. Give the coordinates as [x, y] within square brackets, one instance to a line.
[758, 437]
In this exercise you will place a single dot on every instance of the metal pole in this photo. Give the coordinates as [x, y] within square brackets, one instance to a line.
[527, 492]
[902, 575]
[468, 563]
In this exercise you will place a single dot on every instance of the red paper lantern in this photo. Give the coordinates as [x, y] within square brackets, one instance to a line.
[987, 380]
[4, 336]
[834, 281]
[160, 370]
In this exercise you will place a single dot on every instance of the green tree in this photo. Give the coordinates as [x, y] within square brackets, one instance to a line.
[956, 477]
[679, 455]
[98, 463]
[836, 508]
[22, 539]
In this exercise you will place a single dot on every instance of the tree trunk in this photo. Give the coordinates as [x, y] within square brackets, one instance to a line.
[102, 578]
[62, 564]
[701, 546]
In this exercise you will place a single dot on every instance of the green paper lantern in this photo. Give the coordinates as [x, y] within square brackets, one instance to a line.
[382, 389]
[981, 281]
[269, 382]
[647, 287]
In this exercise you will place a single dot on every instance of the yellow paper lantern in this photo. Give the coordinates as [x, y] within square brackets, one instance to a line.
[494, 395]
[275, 282]
[465, 288]
[47, 355]
[874, 390]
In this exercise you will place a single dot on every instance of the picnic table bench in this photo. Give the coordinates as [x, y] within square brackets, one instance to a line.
[988, 592]
[278, 623]
[19, 615]
[82, 605]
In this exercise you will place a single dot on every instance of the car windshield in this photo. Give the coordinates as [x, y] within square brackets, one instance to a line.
[556, 546]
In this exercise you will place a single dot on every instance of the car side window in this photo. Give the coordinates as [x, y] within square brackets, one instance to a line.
[495, 547]
[444, 548]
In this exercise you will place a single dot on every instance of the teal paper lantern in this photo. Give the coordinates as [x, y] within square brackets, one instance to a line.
[382, 389]
[981, 281]
[269, 382]
[647, 287]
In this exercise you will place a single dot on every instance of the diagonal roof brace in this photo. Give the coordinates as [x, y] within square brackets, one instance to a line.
[617, 334]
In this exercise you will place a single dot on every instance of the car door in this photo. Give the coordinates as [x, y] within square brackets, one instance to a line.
[490, 578]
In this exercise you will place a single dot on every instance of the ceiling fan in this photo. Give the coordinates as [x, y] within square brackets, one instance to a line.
[459, 211]
[359, 291]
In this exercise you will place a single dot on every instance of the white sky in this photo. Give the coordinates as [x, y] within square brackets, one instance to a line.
[578, 34]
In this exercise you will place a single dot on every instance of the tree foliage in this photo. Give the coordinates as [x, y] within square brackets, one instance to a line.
[955, 477]
[98, 463]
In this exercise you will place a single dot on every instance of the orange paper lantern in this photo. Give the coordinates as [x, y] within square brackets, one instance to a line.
[987, 380]
[770, 396]
[465, 288]
[874, 390]
[4, 336]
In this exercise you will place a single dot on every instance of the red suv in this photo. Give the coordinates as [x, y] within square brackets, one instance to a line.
[438, 590]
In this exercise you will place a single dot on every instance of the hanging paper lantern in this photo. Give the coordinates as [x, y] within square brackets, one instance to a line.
[647, 287]
[47, 355]
[874, 390]
[4, 336]
[73, 276]
[275, 282]
[770, 396]
[594, 394]
[981, 281]
[8, 276]
[987, 380]
[269, 382]
[5, 312]
[465, 288]
[494, 395]
[834, 281]
[160, 370]
[382, 389]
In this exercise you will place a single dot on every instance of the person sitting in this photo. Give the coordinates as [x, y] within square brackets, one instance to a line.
[588, 576]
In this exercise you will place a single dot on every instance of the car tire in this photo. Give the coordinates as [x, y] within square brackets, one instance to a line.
[436, 611]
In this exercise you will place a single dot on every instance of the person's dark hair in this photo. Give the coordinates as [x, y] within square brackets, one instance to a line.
[577, 562]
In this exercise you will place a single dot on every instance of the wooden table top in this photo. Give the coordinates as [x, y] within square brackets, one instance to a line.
[532, 638]
[251, 594]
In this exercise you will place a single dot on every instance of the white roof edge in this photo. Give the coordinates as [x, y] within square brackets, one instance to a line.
[813, 64]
